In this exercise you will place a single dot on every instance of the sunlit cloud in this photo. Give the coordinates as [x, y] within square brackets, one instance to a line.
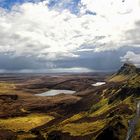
[34, 30]
[131, 57]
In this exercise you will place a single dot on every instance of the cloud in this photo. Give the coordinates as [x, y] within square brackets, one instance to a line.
[56, 70]
[36, 31]
[120, 17]
[45, 31]
[72, 69]
[110, 8]
[131, 57]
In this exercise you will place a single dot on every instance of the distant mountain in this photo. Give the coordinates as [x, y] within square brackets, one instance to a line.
[128, 69]
[126, 72]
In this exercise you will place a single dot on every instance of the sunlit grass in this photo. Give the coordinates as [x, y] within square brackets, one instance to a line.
[134, 82]
[76, 129]
[100, 104]
[26, 136]
[119, 78]
[6, 87]
[25, 123]
[74, 118]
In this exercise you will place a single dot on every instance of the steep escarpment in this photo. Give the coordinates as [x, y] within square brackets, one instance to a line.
[125, 73]
[108, 110]
[127, 69]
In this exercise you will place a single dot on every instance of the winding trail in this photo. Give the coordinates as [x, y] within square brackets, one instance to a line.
[133, 123]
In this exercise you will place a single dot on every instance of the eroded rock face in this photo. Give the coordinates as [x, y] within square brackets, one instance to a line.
[124, 93]
[58, 135]
[54, 136]
[114, 131]
[108, 134]
[127, 69]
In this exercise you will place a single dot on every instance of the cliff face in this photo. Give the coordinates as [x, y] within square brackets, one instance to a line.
[128, 93]
[125, 73]
[128, 69]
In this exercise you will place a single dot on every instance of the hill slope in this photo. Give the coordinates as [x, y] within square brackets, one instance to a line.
[103, 113]
[94, 113]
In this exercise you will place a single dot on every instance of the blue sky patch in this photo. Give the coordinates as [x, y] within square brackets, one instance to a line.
[71, 5]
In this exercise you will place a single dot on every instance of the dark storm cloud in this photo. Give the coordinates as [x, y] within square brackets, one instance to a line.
[17, 63]
[102, 61]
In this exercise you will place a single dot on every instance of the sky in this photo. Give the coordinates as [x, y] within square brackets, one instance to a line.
[68, 35]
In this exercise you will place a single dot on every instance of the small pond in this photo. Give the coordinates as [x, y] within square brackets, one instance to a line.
[54, 92]
[98, 84]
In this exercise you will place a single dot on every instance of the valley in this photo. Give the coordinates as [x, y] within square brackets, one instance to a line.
[99, 106]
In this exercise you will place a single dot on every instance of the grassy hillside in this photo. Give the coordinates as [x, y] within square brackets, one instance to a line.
[106, 119]
[25, 123]
[96, 113]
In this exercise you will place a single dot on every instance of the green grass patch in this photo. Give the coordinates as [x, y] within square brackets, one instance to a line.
[81, 129]
[6, 87]
[25, 123]
[97, 106]
[134, 81]
[74, 118]
[118, 78]
[26, 136]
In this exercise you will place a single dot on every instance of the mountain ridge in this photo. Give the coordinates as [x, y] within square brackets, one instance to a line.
[126, 72]
[127, 69]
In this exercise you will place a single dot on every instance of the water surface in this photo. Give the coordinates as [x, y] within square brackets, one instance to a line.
[54, 92]
[98, 84]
